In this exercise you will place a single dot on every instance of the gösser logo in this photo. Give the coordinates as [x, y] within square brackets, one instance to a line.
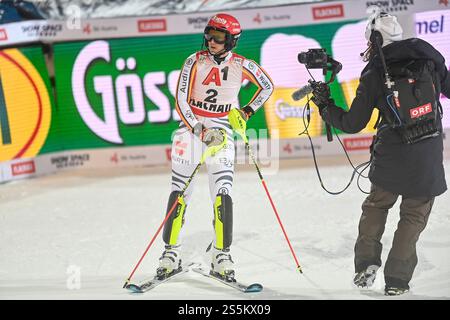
[120, 88]
[25, 109]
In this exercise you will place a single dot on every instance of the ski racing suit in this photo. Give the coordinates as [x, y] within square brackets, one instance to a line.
[206, 92]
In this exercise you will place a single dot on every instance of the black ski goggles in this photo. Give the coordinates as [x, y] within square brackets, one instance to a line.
[218, 36]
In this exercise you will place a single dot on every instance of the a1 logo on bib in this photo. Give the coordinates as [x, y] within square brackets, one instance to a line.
[214, 76]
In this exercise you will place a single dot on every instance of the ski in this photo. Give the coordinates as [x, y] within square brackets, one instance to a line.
[252, 288]
[152, 283]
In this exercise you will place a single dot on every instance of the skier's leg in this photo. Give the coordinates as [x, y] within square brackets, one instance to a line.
[186, 153]
[221, 172]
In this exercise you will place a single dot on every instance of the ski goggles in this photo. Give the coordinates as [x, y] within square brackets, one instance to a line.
[218, 36]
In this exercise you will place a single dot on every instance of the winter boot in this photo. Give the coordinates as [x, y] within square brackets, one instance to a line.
[366, 277]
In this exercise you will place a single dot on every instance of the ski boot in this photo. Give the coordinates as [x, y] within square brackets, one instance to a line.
[222, 264]
[169, 262]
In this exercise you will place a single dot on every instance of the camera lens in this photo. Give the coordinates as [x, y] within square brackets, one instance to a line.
[302, 57]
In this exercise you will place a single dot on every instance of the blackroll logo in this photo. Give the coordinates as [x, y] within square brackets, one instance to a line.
[152, 25]
[25, 109]
[3, 35]
[328, 12]
[122, 97]
[21, 168]
[360, 143]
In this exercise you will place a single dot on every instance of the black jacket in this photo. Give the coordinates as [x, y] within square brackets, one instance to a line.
[410, 170]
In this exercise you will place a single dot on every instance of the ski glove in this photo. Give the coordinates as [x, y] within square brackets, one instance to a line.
[322, 99]
[246, 112]
[209, 136]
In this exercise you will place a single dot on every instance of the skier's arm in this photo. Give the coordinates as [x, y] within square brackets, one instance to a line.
[355, 119]
[444, 75]
[253, 72]
[184, 87]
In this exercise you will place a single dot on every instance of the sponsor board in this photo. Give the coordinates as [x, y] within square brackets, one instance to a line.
[23, 168]
[129, 157]
[259, 18]
[3, 35]
[198, 23]
[90, 28]
[44, 30]
[328, 12]
[393, 6]
[152, 25]
[73, 160]
[25, 104]
[357, 143]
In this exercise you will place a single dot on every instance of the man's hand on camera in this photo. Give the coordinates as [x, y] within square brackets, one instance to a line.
[322, 99]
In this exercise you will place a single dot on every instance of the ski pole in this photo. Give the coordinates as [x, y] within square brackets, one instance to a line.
[209, 152]
[239, 125]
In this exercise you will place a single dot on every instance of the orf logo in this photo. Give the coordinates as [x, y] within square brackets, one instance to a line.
[25, 109]
[420, 111]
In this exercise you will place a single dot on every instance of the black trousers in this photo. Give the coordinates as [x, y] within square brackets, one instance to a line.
[402, 258]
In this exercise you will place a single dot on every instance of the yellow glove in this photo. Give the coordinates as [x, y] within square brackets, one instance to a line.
[237, 122]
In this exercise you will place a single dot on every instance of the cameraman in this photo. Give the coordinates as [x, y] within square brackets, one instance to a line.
[413, 171]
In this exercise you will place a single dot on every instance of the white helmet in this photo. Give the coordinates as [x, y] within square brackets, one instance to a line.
[385, 23]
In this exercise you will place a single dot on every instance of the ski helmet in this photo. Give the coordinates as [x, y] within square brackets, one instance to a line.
[223, 23]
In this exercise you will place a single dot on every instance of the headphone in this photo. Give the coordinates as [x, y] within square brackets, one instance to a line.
[375, 36]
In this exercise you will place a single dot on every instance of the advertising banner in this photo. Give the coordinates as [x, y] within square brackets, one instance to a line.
[25, 103]
[121, 91]
[112, 101]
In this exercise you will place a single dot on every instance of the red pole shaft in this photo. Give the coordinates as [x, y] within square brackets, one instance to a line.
[281, 225]
[151, 242]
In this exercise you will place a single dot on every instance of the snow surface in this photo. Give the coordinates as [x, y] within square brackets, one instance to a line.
[96, 224]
